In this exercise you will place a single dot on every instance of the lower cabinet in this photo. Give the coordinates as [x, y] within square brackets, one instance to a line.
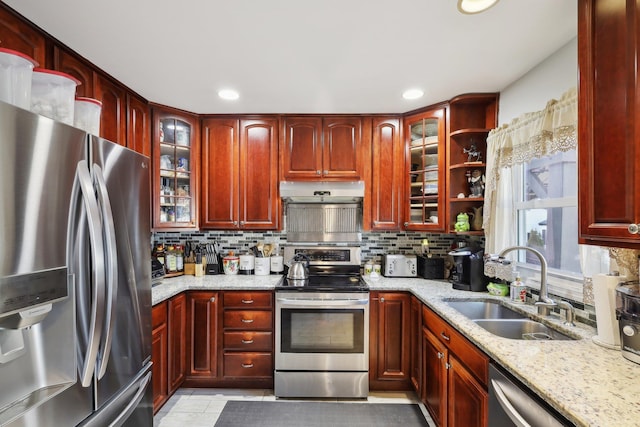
[230, 339]
[177, 314]
[415, 344]
[389, 343]
[247, 353]
[159, 354]
[454, 375]
[202, 339]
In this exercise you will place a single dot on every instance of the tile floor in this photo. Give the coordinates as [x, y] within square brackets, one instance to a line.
[200, 407]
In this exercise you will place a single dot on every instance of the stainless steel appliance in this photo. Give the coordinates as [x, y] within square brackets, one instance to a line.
[511, 404]
[322, 327]
[628, 315]
[398, 265]
[75, 277]
[323, 211]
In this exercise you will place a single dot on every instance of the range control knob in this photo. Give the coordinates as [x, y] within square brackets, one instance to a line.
[629, 330]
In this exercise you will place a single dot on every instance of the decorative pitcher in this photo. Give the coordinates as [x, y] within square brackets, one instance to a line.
[476, 222]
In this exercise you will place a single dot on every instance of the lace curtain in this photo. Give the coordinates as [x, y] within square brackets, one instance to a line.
[530, 136]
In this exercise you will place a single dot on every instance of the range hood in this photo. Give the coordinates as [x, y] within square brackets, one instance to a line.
[323, 211]
[322, 192]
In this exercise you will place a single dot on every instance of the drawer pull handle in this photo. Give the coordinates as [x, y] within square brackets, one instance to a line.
[247, 341]
[247, 301]
[247, 320]
[247, 365]
[444, 337]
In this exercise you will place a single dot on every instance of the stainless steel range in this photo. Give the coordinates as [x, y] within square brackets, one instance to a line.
[322, 327]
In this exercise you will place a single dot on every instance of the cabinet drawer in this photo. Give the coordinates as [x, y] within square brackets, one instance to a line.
[247, 299]
[248, 341]
[474, 359]
[248, 319]
[158, 314]
[248, 365]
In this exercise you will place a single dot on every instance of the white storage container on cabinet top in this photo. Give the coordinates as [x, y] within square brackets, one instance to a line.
[87, 114]
[53, 94]
[16, 70]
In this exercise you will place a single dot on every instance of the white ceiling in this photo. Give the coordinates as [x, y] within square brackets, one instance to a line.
[301, 56]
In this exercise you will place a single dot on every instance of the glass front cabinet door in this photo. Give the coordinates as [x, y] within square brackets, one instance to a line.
[425, 139]
[175, 168]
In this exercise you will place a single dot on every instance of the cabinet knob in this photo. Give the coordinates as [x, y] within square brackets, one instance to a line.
[406, 224]
[241, 223]
[235, 222]
[213, 299]
[440, 355]
[382, 299]
[634, 228]
[318, 173]
[447, 365]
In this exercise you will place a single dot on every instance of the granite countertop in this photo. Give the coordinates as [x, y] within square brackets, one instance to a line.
[588, 384]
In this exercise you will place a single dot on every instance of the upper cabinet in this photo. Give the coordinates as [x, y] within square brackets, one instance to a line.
[175, 169]
[425, 170]
[138, 125]
[322, 148]
[240, 174]
[387, 174]
[471, 117]
[609, 123]
[17, 34]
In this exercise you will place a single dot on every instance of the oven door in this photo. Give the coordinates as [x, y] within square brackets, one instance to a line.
[322, 331]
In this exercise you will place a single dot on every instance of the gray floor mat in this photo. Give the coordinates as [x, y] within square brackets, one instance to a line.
[319, 414]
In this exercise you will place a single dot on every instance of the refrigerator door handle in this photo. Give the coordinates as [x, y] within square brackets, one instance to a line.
[84, 187]
[109, 234]
[124, 415]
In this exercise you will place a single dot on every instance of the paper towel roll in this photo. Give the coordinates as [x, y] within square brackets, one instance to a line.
[604, 296]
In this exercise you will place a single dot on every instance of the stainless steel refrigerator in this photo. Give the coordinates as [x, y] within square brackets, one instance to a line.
[75, 277]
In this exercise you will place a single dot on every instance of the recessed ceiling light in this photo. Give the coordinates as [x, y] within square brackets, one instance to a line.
[475, 6]
[228, 94]
[412, 94]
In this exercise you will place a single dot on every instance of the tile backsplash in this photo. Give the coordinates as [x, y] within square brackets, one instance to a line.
[373, 244]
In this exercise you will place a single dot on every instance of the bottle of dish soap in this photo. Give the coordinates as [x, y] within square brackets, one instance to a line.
[518, 291]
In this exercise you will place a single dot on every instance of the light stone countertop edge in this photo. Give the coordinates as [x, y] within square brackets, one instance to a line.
[588, 384]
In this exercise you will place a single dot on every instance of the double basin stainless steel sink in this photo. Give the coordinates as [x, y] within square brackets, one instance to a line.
[505, 322]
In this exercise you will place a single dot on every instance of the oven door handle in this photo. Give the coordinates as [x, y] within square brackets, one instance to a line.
[323, 302]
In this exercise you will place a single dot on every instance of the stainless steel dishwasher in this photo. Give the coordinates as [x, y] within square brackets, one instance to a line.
[512, 404]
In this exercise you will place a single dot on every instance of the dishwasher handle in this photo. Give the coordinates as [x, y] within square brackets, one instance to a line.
[508, 408]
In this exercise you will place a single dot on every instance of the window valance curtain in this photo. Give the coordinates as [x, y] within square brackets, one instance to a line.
[530, 136]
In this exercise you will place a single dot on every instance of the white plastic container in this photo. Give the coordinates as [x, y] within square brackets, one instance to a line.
[86, 114]
[53, 94]
[16, 70]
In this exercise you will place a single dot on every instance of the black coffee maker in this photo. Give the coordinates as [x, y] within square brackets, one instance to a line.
[468, 270]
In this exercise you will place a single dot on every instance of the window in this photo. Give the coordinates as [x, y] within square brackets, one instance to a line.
[546, 210]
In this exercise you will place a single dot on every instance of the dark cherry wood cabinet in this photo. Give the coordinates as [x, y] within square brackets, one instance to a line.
[415, 345]
[425, 170]
[471, 117]
[609, 123]
[387, 174]
[68, 62]
[328, 148]
[240, 174]
[18, 34]
[247, 349]
[203, 337]
[138, 125]
[389, 341]
[175, 169]
[177, 314]
[113, 117]
[159, 354]
[454, 375]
